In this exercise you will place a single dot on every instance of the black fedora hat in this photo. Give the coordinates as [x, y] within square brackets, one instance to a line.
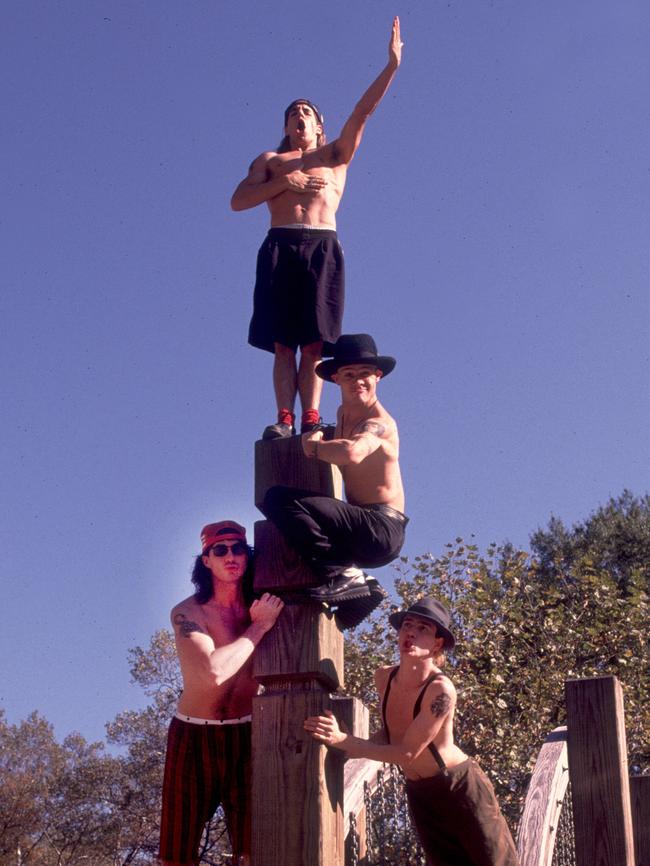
[354, 349]
[434, 611]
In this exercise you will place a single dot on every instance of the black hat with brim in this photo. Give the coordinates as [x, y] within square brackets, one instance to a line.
[354, 349]
[434, 611]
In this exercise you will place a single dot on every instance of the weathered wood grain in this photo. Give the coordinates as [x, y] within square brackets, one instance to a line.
[282, 461]
[305, 644]
[640, 795]
[278, 568]
[297, 784]
[548, 784]
[599, 774]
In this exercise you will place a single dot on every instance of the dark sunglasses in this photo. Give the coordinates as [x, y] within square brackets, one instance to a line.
[237, 549]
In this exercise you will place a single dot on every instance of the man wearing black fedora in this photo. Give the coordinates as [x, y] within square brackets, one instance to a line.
[336, 538]
[451, 800]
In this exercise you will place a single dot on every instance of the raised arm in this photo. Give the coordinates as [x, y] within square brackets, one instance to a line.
[345, 146]
[259, 186]
[209, 665]
[439, 700]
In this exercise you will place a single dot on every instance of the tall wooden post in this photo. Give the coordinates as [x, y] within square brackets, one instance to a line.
[297, 784]
[598, 772]
[640, 794]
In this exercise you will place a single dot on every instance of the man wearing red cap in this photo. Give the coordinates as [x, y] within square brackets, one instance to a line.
[299, 288]
[451, 800]
[209, 741]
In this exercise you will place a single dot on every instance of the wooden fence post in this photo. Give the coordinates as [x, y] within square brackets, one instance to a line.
[297, 810]
[598, 772]
[640, 795]
[539, 822]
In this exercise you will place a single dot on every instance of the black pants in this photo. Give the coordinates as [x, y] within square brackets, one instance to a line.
[458, 820]
[330, 534]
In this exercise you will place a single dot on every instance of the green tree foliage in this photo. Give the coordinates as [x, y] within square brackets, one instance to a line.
[55, 799]
[615, 539]
[576, 606]
[520, 636]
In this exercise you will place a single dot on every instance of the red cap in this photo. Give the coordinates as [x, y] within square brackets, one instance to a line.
[224, 531]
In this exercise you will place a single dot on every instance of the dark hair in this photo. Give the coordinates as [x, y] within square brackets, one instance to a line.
[321, 139]
[202, 580]
[285, 145]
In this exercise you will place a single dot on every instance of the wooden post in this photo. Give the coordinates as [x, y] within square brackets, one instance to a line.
[353, 716]
[598, 772]
[539, 822]
[640, 795]
[297, 810]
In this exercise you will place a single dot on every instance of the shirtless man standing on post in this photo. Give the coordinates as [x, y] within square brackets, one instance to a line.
[208, 759]
[336, 537]
[452, 802]
[299, 288]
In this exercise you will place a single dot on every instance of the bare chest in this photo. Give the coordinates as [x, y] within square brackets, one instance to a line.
[399, 713]
[311, 163]
[224, 627]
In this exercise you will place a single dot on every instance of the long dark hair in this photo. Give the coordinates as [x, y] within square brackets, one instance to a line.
[202, 580]
[285, 145]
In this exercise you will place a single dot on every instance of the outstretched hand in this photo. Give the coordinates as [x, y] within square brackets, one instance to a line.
[395, 44]
[325, 729]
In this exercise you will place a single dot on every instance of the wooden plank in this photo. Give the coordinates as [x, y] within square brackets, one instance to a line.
[282, 461]
[537, 828]
[297, 784]
[599, 775]
[278, 568]
[353, 716]
[305, 644]
[640, 796]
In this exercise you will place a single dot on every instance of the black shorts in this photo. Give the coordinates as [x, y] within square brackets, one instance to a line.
[299, 289]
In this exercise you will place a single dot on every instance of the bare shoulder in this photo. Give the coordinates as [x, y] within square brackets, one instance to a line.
[381, 677]
[381, 424]
[440, 697]
[187, 617]
[262, 162]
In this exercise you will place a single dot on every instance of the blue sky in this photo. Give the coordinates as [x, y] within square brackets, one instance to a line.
[495, 225]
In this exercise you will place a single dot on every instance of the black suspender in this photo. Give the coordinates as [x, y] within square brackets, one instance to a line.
[416, 709]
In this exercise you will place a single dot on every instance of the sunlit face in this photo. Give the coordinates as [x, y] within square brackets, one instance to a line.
[302, 124]
[418, 637]
[230, 567]
[358, 382]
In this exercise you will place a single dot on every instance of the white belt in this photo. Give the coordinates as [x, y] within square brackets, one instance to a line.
[193, 721]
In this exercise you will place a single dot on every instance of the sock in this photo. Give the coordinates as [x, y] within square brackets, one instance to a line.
[310, 416]
[286, 416]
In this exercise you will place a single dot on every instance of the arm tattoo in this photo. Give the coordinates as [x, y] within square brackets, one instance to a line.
[187, 626]
[373, 427]
[440, 705]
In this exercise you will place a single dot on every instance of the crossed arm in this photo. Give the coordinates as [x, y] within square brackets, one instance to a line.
[437, 703]
[209, 665]
[259, 186]
[343, 452]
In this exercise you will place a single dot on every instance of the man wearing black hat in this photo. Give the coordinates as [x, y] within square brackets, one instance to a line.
[336, 537]
[299, 288]
[452, 802]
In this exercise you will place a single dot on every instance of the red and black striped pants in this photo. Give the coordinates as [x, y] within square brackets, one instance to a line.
[205, 766]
